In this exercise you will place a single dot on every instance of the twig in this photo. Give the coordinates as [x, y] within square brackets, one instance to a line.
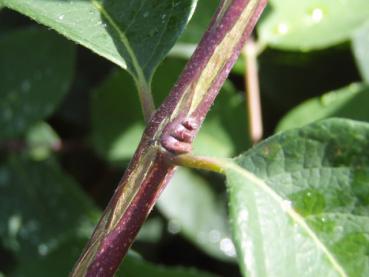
[252, 91]
[149, 170]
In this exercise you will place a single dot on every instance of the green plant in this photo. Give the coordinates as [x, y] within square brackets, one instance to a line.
[297, 201]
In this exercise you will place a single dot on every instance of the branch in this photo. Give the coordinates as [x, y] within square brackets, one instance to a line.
[170, 131]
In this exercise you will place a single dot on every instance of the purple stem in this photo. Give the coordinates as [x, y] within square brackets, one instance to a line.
[150, 169]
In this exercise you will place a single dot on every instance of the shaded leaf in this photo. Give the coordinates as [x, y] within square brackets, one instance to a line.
[151, 231]
[41, 140]
[134, 266]
[307, 25]
[305, 211]
[135, 35]
[117, 123]
[195, 211]
[59, 260]
[349, 102]
[36, 71]
[41, 209]
[361, 50]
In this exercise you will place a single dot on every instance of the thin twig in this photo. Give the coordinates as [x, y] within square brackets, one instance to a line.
[252, 91]
[149, 170]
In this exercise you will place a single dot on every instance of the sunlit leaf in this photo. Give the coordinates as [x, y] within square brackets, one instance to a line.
[361, 50]
[312, 24]
[299, 202]
[135, 35]
[349, 102]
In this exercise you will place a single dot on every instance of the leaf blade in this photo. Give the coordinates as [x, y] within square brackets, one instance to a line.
[37, 70]
[348, 102]
[112, 28]
[311, 25]
[258, 262]
[317, 171]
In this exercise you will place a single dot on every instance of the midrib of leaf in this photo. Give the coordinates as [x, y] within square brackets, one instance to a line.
[290, 212]
[259, 247]
[140, 75]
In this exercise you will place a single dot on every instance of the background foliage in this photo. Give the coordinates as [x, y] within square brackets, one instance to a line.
[70, 121]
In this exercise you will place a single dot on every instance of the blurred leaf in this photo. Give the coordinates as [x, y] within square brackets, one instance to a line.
[113, 103]
[349, 102]
[361, 50]
[197, 26]
[199, 22]
[151, 231]
[59, 260]
[41, 139]
[312, 24]
[117, 124]
[135, 266]
[224, 131]
[135, 35]
[41, 209]
[36, 70]
[305, 213]
[195, 211]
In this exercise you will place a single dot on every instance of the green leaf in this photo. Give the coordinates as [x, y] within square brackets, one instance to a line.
[299, 202]
[36, 70]
[197, 26]
[135, 35]
[199, 22]
[224, 131]
[113, 103]
[134, 266]
[349, 102]
[41, 209]
[41, 140]
[117, 123]
[312, 24]
[196, 212]
[151, 231]
[59, 260]
[361, 50]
